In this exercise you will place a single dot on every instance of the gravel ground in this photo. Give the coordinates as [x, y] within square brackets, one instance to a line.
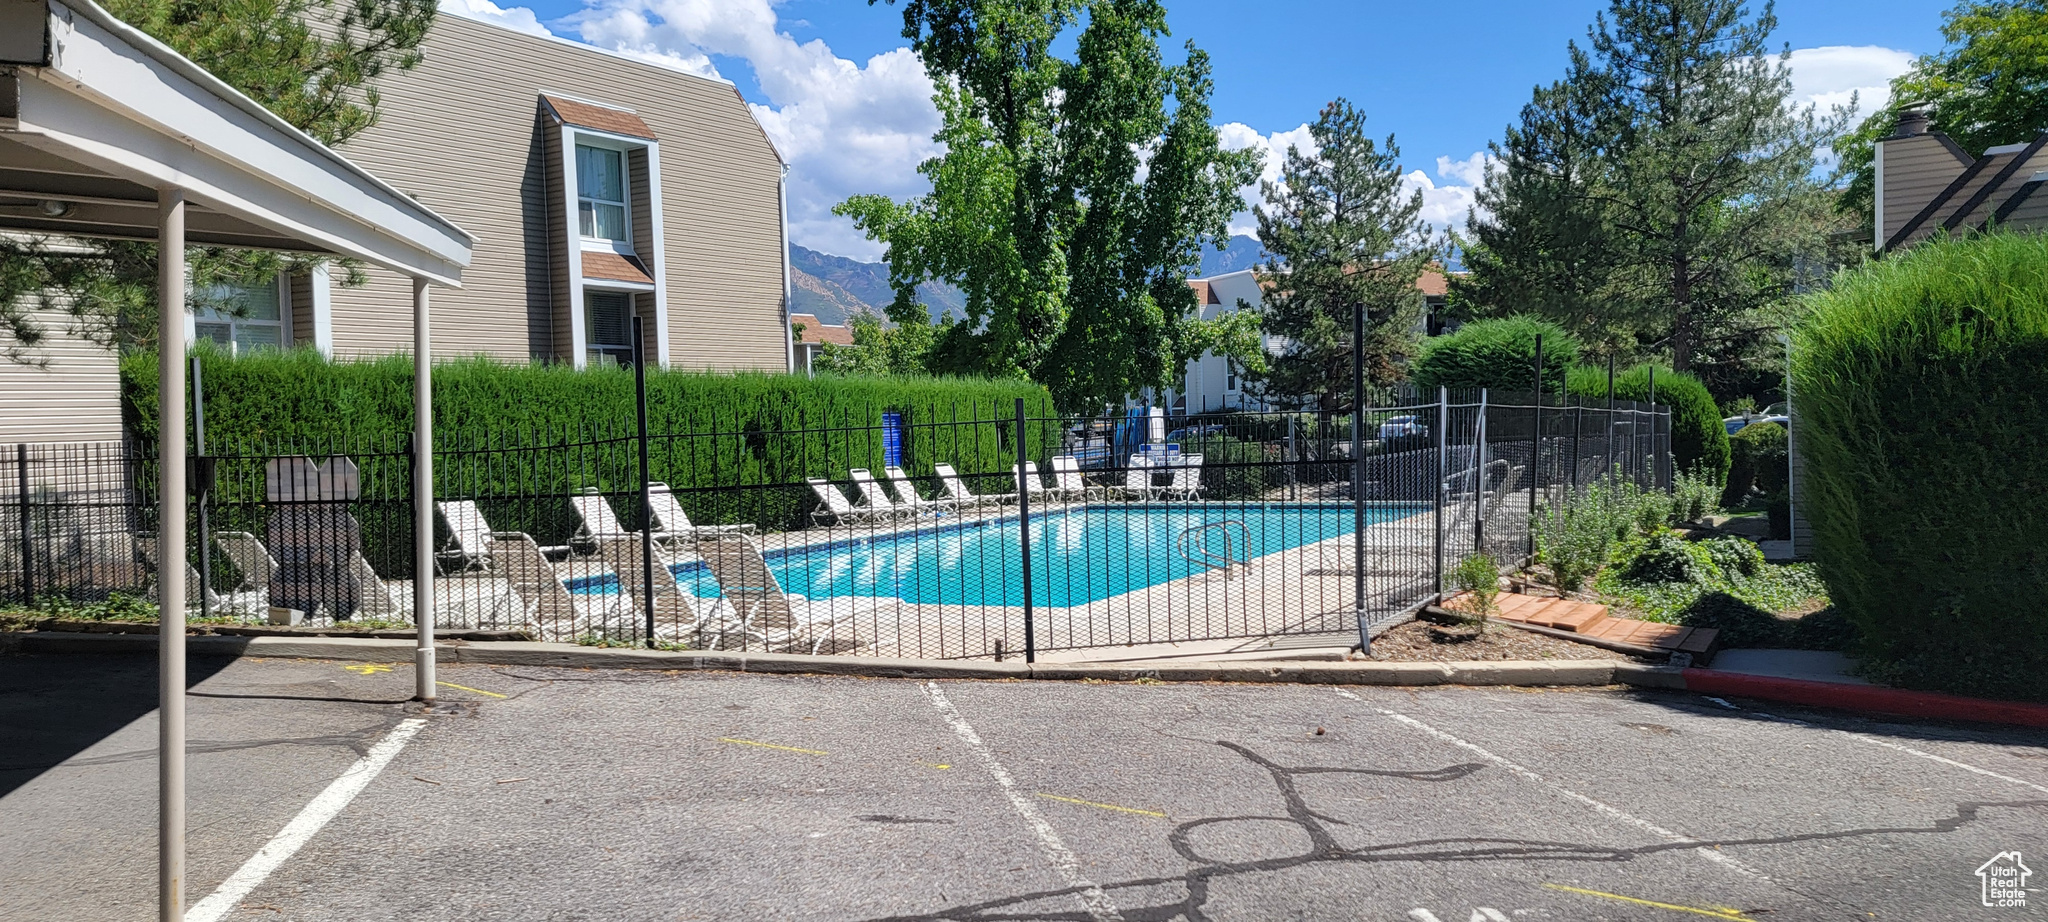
[1414, 643]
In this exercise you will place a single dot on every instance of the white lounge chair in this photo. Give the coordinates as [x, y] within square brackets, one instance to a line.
[670, 519]
[1187, 479]
[1138, 478]
[956, 489]
[907, 495]
[876, 500]
[1027, 480]
[784, 622]
[833, 506]
[676, 614]
[1067, 482]
[470, 537]
[256, 566]
[373, 598]
[598, 520]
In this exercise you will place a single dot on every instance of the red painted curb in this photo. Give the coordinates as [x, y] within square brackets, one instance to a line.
[1871, 698]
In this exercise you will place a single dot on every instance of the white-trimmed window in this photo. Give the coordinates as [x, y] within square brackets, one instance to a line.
[608, 328]
[1230, 376]
[601, 193]
[244, 317]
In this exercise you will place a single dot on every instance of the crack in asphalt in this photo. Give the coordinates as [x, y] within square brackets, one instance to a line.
[1324, 849]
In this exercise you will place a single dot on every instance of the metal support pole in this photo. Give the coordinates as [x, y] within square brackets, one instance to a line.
[204, 485]
[1443, 472]
[28, 535]
[170, 554]
[1024, 531]
[1656, 464]
[1612, 449]
[1535, 447]
[422, 494]
[646, 494]
[1358, 475]
[1479, 478]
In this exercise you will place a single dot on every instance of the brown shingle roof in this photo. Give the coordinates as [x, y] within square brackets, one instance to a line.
[1433, 283]
[598, 264]
[1203, 294]
[816, 332]
[602, 118]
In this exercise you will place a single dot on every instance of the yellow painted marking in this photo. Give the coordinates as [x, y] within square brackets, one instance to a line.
[469, 689]
[1090, 803]
[808, 752]
[1712, 913]
[367, 668]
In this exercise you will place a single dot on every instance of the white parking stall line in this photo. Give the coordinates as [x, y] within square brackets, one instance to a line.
[303, 827]
[1604, 809]
[1069, 867]
[1888, 744]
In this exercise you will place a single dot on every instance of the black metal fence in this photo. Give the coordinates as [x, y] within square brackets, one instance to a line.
[909, 537]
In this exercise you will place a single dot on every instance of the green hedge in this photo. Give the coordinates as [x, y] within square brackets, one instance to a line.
[1757, 461]
[1921, 384]
[1498, 354]
[1699, 441]
[492, 420]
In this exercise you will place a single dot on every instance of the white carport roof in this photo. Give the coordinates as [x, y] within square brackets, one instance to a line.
[106, 132]
[99, 116]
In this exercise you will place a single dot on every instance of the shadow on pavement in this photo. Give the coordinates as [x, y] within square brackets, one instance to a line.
[54, 707]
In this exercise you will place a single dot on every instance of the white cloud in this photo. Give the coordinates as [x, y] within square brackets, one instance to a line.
[1830, 75]
[1445, 198]
[1273, 149]
[517, 17]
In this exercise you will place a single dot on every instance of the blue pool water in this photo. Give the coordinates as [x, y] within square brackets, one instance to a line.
[1078, 554]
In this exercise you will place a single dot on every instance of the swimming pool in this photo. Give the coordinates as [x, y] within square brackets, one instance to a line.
[1079, 554]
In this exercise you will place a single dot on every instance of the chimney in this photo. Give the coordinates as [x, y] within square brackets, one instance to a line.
[1912, 121]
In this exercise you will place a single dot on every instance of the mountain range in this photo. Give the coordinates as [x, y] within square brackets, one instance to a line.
[835, 287]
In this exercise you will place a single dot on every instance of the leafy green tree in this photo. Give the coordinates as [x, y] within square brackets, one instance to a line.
[1072, 200]
[1342, 237]
[321, 80]
[1988, 87]
[1664, 198]
[881, 348]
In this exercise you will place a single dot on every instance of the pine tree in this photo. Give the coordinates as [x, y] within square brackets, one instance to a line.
[1693, 208]
[1341, 236]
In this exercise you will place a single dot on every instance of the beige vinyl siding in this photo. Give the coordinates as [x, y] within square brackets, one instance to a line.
[72, 394]
[459, 132]
[2032, 212]
[1986, 170]
[1916, 169]
[1999, 196]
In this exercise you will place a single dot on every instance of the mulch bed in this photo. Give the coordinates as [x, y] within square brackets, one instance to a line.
[1415, 642]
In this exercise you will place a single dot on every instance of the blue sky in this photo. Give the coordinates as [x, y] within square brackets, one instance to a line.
[848, 105]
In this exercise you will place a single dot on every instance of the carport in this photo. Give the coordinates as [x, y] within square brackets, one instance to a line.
[106, 132]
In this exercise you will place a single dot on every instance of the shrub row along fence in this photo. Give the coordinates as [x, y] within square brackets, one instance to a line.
[912, 536]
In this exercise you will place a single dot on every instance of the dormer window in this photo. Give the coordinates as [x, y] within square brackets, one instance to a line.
[601, 193]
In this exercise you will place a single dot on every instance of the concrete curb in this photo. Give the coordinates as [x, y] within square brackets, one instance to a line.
[527, 653]
[1868, 698]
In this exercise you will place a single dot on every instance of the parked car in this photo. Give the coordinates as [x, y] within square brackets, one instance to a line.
[1399, 426]
[1193, 433]
[1736, 424]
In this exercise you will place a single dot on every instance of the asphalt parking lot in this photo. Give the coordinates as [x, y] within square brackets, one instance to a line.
[552, 794]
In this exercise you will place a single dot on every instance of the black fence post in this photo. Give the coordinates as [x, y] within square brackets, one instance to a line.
[1443, 462]
[1358, 475]
[203, 483]
[28, 539]
[1479, 477]
[1613, 464]
[1535, 447]
[1024, 532]
[646, 497]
